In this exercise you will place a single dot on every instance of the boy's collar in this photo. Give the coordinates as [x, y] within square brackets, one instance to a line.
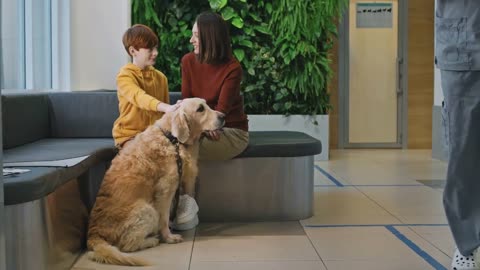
[134, 67]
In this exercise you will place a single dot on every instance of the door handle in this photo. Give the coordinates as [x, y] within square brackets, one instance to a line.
[398, 66]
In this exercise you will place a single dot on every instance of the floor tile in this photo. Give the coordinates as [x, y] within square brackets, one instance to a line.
[270, 241]
[409, 204]
[346, 205]
[357, 243]
[259, 265]
[319, 179]
[440, 237]
[364, 248]
[433, 251]
[379, 264]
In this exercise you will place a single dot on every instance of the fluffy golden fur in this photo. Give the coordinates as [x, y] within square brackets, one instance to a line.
[132, 208]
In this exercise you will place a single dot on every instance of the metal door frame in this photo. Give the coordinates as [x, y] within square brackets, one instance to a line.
[2, 201]
[402, 83]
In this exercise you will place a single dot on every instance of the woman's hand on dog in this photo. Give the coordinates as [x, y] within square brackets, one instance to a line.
[213, 135]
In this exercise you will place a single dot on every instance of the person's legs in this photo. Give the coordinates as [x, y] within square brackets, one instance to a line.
[461, 197]
[232, 142]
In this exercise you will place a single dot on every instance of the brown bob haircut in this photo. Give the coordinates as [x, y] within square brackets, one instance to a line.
[139, 36]
[214, 38]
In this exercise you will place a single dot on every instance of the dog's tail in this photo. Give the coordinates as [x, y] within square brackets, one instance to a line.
[103, 252]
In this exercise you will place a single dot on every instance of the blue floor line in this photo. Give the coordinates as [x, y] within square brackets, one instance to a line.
[366, 185]
[374, 225]
[429, 259]
[329, 176]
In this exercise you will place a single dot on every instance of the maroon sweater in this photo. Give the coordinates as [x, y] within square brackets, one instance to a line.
[219, 85]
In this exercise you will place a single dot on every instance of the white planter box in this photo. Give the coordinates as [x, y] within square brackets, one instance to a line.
[301, 123]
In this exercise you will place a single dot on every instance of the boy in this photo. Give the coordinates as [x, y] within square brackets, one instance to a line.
[143, 97]
[142, 90]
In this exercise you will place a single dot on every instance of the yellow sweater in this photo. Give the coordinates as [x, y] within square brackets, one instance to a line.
[139, 93]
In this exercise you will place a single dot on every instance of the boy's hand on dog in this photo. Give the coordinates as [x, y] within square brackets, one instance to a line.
[164, 107]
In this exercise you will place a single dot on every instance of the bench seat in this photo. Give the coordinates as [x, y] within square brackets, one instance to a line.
[271, 180]
[280, 144]
[51, 162]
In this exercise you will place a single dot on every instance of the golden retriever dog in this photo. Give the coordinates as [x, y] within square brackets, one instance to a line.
[132, 209]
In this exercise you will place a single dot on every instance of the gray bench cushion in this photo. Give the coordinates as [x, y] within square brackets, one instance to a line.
[32, 185]
[41, 181]
[57, 149]
[174, 97]
[25, 119]
[83, 114]
[281, 144]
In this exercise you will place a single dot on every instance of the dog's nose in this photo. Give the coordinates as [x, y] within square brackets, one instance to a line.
[221, 117]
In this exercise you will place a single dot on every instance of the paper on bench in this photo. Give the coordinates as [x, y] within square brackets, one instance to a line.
[10, 171]
[47, 163]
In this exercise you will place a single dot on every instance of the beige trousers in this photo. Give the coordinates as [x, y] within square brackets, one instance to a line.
[232, 142]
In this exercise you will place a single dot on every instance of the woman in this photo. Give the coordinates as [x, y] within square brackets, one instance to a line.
[212, 73]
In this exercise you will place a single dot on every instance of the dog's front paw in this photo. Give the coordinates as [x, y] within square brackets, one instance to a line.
[173, 238]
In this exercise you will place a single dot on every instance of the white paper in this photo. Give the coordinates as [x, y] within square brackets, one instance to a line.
[47, 163]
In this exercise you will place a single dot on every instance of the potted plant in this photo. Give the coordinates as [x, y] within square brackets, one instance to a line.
[283, 46]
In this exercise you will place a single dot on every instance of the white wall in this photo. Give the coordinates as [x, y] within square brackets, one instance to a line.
[96, 48]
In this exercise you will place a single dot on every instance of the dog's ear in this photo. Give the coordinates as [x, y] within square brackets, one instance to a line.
[180, 127]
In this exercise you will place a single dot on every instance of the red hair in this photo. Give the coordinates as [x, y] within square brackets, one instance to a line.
[139, 36]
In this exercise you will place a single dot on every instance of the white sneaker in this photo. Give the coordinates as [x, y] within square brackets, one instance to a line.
[187, 217]
[460, 262]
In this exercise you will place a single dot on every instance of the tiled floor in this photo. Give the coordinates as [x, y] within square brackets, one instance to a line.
[374, 209]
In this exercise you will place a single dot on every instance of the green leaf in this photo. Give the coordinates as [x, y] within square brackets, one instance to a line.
[217, 4]
[187, 33]
[246, 43]
[262, 29]
[135, 6]
[237, 22]
[251, 71]
[276, 106]
[248, 31]
[228, 13]
[249, 88]
[172, 21]
[255, 17]
[239, 54]
[269, 8]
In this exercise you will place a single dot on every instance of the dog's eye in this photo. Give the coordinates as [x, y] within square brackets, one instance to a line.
[201, 108]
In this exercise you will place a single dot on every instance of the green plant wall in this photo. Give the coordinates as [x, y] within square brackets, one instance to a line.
[282, 45]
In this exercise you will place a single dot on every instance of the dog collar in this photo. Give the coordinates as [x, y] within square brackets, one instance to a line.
[174, 140]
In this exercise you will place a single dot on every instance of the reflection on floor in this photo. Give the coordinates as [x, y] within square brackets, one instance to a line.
[374, 209]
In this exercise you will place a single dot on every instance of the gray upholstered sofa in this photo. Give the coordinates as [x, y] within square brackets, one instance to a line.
[64, 140]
